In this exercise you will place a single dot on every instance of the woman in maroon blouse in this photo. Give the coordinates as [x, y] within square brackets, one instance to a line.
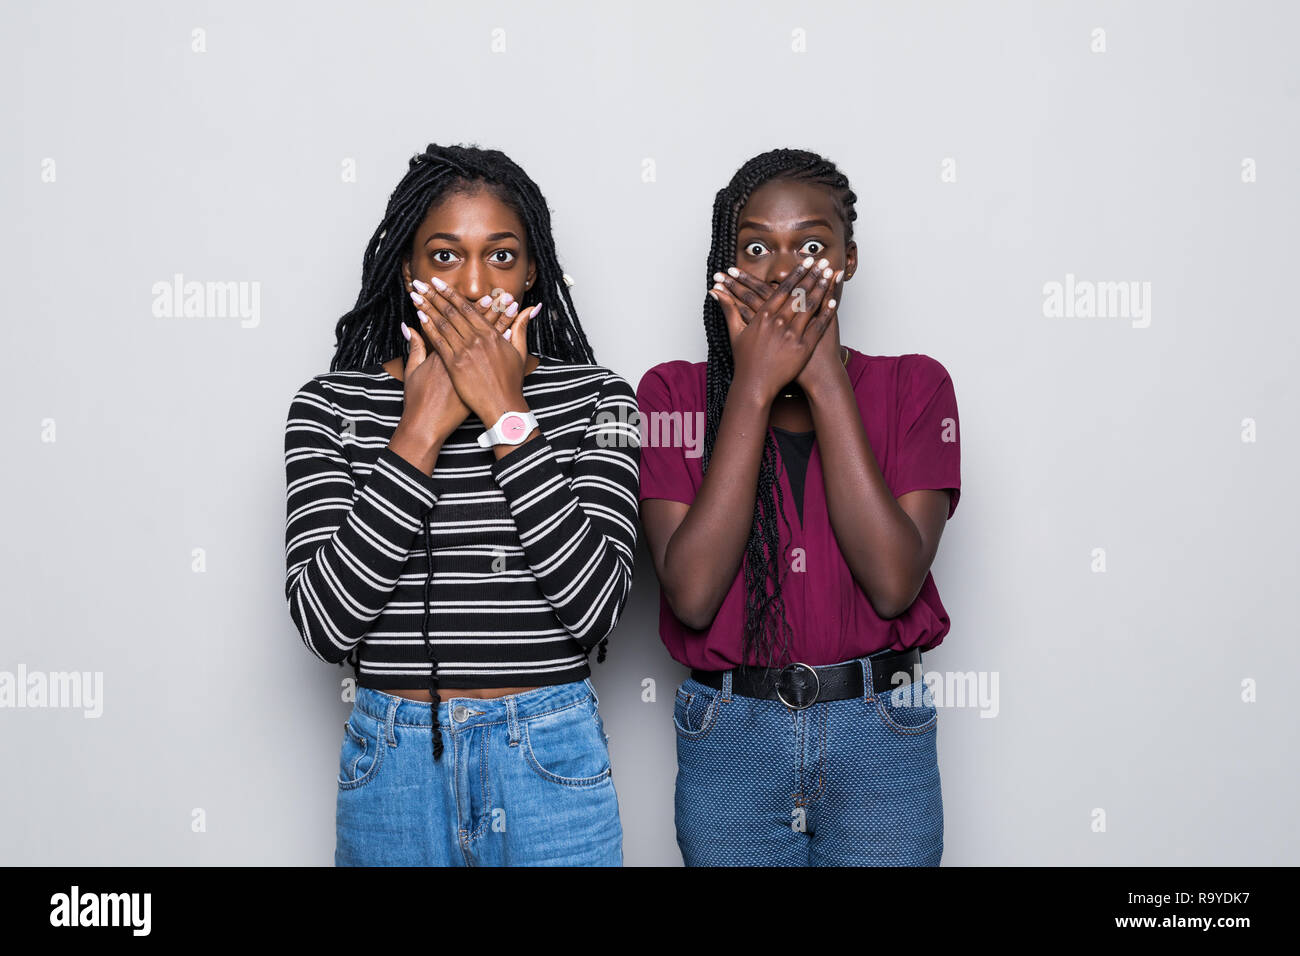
[793, 493]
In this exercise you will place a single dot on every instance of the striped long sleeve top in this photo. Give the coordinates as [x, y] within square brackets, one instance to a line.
[517, 566]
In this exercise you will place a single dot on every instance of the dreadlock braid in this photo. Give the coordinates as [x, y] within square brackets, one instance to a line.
[371, 331]
[767, 632]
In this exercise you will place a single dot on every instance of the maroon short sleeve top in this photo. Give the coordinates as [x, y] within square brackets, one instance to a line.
[909, 414]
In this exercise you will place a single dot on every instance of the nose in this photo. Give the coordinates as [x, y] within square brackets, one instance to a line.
[473, 284]
[782, 266]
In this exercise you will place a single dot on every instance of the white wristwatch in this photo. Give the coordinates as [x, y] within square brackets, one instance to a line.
[510, 429]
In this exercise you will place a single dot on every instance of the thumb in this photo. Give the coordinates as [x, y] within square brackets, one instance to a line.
[416, 355]
[517, 334]
[735, 324]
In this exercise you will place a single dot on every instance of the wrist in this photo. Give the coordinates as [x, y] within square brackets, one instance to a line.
[825, 383]
[419, 447]
[752, 394]
[499, 405]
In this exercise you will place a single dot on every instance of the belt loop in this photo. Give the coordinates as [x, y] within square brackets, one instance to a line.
[726, 685]
[868, 679]
[390, 720]
[512, 719]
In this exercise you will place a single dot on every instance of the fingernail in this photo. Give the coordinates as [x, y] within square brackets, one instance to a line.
[823, 264]
[717, 277]
[807, 263]
[438, 284]
[514, 308]
[839, 275]
[537, 312]
[406, 332]
[419, 286]
[733, 272]
[485, 301]
[827, 273]
[424, 318]
[507, 297]
[831, 304]
[506, 333]
[715, 296]
[417, 298]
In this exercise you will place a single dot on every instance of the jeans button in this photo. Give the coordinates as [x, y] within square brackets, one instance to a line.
[460, 713]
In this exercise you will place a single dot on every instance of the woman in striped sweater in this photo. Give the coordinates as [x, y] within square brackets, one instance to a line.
[461, 524]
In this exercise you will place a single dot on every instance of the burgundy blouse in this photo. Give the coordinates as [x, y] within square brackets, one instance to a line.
[909, 413]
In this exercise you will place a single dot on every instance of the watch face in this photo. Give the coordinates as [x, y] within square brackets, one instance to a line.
[514, 428]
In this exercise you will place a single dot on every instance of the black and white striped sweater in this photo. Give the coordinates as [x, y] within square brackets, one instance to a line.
[532, 553]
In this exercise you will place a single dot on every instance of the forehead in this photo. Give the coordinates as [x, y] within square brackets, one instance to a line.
[467, 214]
[780, 203]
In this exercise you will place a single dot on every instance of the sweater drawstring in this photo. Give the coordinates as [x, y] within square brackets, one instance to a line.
[600, 654]
[428, 642]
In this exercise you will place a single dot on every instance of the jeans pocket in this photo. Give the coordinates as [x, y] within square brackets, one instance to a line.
[568, 746]
[908, 710]
[362, 752]
[695, 709]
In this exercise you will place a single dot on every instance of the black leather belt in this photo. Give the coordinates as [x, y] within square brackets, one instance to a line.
[800, 685]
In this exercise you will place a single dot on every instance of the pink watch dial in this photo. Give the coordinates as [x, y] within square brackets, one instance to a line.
[514, 427]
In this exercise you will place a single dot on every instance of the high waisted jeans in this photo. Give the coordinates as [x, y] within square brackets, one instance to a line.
[840, 783]
[523, 780]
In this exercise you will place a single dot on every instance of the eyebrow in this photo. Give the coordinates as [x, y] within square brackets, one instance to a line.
[450, 237]
[807, 223]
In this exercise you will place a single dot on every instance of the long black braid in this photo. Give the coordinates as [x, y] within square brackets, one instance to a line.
[371, 332]
[767, 631]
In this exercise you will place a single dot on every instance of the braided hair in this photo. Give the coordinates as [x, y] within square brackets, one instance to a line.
[370, 333]
[767, 632]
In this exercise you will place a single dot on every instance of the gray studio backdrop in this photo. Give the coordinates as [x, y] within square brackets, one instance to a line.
[1086, 212]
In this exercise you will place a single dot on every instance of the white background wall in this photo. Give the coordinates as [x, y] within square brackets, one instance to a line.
[1119, 691]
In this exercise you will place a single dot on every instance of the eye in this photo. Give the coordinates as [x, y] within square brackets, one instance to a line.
[755, 248]
[451, 256]
[812, 252]
[509, 256]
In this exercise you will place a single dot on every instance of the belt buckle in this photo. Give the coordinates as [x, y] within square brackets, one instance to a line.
[787, 673]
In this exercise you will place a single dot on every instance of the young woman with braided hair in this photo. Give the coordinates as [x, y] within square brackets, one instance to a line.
[794, 554]
[461, 528]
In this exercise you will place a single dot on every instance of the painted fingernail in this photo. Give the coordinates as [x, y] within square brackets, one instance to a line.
[807, 263]
[417, 298]
[823, 264]
[537, 312]
[733, 272]
[831, 304]
[438, 283]
[839, 275]
[715, 296]
[507, 297]
[406, 332]
[514, 308]
[485, 301]
[718, 277]
[827, 273]
[506, 334]
[423, 318]
[419, 286]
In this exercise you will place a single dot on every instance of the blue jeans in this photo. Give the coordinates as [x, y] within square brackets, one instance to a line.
[524, 780]
[840, 783]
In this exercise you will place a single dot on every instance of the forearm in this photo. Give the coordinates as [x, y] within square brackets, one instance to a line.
[344, 556]
[705, 552]
[880, 544]
[578, 535]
